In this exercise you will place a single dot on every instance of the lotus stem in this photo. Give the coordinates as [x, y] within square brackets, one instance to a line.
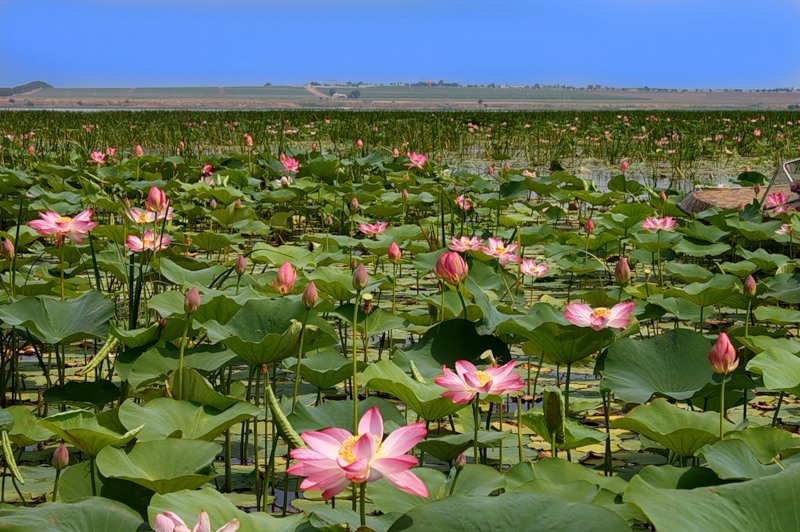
[722, 408]
[777, 410]
[362, 504]
[55, 485]
[607, 416]
[354, 385]
[299, 358]
[476, 412]
[519, 427]
[180, 355]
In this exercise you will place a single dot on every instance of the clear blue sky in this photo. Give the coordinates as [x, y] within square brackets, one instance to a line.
[624, 43]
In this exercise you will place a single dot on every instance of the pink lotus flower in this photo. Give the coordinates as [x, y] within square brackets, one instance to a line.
[284, 282]
[451, 268]
[723, 357]
[417, 160]
[284, 181]
[138, 151]
[373, 229]
[469, 380]
[463, 203]
[148, 242]
[138, 216]
[207, 170]
[248, 140]
[52, 223]
[464, 244]
[394, 254]
[359, 144]
[667, 223]
[599, 318]
[589, 226]
[191, 301]
[97, 157]
[529, 174]
[335, 457]
[290, 164]
[777, 201]
[170, 522]
[623, 165]
[497, 249]
[786, 229]
[529, 267]
[395, 153]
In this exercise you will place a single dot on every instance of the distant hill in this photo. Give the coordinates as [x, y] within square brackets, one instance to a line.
[28, 87]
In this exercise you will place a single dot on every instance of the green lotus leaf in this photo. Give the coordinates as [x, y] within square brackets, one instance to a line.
[713, 292]
[340, 414]
[681, 431]
[26, 430]
[674, 364]
[688, 273]
[557, 471]
[162, 466]
[323, 370]
[425, 399]
[761, 504]
[377, 321]
[777, 315]
[164, 418]
[86, 431]
[389, 499]
[698, 249]
[575, 434]
[55, 321]
[779, 368]
[96, 393]
[199, 275]
[680, 478]
[507, 512]
[299, 257]
[732, 459]
[93, 513]
[448, 448]
[765, 442]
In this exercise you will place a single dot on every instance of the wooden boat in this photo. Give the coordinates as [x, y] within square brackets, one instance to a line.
[732, 197]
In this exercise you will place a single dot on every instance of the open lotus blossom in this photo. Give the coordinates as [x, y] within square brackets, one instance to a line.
[778, 202]
[170, 522]
[497, 249]
[97, 157]
[335, 458]
[52, 223]
[529, 174]
[469, 380]
[599, 318]
[465, 244]
[667, 223]
[529, 267]
[148, 242]
[290, 164]
[284, 181]
[416, 160]
[463, 203]
[138, 216]
[207, 170]
[785, 229]
[723, 357]
[373, 229]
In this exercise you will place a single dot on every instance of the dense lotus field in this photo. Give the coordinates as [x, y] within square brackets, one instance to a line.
[334, 335]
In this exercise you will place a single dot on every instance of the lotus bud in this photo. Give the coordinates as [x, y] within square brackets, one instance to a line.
[749, 286]
[313, 146]
[240, 265]
[359, 144]
[310, 295]
[60, 458]
[490, 170]
[126, 203]
[329, 219]
[506, 166]
[461, 461]
[354, 205]
[723, 357]
[212, 203]
[553, 407]
[237, 204]
[589, 226]
[360, 278]
[451, 268]
[623, 165]
[31, 149]
[138, 151]
[156, 200]
[284, 282]
[394, 253]
[248, 140]
[404, 194]
[395, 153]
[191, 302]
[622, 272]
[7, 250]
[162, 323]
[756, 189]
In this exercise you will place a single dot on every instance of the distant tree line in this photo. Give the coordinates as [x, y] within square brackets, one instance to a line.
[28, 87]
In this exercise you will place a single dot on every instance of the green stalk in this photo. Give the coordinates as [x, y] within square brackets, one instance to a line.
[55, 485]
[722, 408]
[476, 412]
[354, 385]
[299, 358]
[519, 427]
[777, 410]
[362, 507]
[180, 356]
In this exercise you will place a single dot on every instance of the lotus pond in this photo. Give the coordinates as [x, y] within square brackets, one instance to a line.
[317, 334]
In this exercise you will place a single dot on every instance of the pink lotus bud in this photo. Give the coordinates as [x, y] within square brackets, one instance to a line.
[7, 250]
[623, 165]
[662, 196]
[313, 146]
[207, 170]
[191, 301]
[212, 203]
[31, 149]
[241, 265]
[138, 151]
[354, 205]
[248, 140]
[394, 253]
[360, 278]
[310, 295]
[162, 323]
[749, 286]
[156, 200]
[490, 170]
[126, 203]
[329, 219]
[451, 268]
[723, 357]
[622, 272]
[404, 194]
[461, 461]
[395, 153]
[237, 204]
[60, 458]
[589, 226]
[284, 282]
[757, 189]
[359, 144]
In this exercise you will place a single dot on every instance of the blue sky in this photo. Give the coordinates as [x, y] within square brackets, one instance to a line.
[622, 43]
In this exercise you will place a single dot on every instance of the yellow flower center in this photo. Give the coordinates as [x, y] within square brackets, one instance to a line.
[64, 220]
[148, 242]
[500, 249]
[346, 450]
[599, 312]
[483, 377]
